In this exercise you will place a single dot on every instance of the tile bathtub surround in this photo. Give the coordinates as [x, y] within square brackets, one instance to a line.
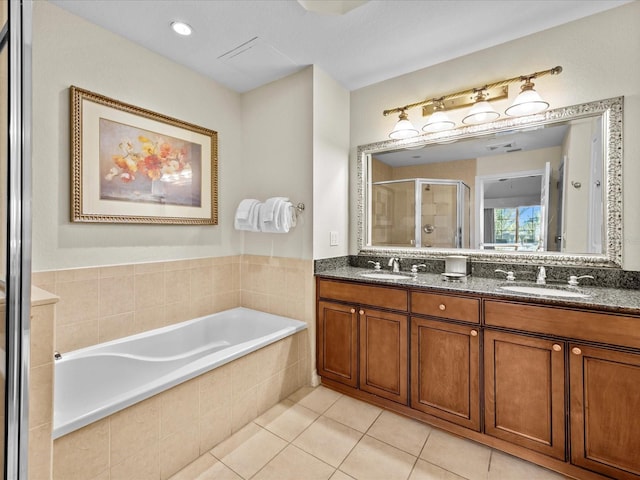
[161, 435]
[105, 303]
[309, 435]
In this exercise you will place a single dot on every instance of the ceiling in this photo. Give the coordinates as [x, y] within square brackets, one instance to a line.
[244, 44]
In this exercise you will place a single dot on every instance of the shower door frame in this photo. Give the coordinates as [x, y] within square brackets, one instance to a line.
[18, 249]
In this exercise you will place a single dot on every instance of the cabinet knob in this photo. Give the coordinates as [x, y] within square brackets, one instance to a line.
[556, 347]
[361, 312]
[442, 307]
[474, 333]
[353, 310]
[576, 351]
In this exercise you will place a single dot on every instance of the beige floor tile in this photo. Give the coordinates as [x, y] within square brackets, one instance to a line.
[206, 467]
[372, 460]
[506, 467]
[287, 419]
[294, 464]
[427, 471]
[401, 432]
[353, 413]
[463, 457]
[318, 399]
[249, 449]
[340, 476]
[328, 440]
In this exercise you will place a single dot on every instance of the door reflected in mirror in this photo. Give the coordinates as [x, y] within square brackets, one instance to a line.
[539, 184]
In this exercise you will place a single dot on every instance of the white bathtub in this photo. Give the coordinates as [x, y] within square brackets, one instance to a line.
[94, 382]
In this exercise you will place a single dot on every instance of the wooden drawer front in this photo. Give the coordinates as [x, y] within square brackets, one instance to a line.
[446, 306]
[385, 297]
[560, 322]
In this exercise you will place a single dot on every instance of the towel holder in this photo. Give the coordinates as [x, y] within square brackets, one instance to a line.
[299, 207]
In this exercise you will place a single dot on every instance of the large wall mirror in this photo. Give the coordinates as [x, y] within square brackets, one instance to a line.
[546, 188]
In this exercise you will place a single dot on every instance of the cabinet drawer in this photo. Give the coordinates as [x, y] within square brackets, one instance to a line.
[561, 322]
[446, 306]
[384, 297]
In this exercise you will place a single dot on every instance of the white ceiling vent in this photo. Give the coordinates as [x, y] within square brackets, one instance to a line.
[259, 61]
[501, 146]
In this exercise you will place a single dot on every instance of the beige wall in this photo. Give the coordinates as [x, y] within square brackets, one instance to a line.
[599, 56]
[70, 51]
[330, 165]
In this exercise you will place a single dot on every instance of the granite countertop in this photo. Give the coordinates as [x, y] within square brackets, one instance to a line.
[605, 299]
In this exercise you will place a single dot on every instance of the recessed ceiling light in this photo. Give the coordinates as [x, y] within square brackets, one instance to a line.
[181, 28]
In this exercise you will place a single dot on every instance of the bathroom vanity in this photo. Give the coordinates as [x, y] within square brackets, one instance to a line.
[552, 380]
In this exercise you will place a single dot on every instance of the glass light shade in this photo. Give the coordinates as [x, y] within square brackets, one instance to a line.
[527, 102]
[403, 129]
[481, 112]
[438, 122]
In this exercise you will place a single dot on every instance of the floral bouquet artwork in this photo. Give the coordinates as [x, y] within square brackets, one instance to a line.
[137, 165]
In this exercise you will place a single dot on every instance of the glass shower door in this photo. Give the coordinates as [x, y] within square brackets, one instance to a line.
[439, 215]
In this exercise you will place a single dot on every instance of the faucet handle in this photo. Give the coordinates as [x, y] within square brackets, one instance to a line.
[510, 275]
[574, 279]
[376, 265]
[414, 268]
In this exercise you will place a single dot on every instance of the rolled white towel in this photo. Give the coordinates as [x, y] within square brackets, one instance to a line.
[271, 206]
[246, 217]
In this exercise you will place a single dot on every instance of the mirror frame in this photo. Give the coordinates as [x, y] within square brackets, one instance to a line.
[611, 111]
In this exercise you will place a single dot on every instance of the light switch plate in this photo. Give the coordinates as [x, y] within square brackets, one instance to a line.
[333, 239]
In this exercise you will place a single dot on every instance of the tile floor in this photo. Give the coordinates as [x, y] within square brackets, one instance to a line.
[319, 434]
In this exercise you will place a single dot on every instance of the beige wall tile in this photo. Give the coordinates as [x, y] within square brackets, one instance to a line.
[144, 464]
[76, 274]
[43, 278]
[177, 286]
[149, 318]
[40, 395]
[201, 306]
[215, 389]
[40, 444]
[78, 335]
[269, 393]
[225, 301]
[244, 374]
[78, 301]
[177, 312]
[153, 267]
[116, 271]
[179, 409]
[135, 428]
[244, 409]
[116, 295]
[42, 329]
[178, 450]
[173, 265]
[215, 427]
[116, 326]
[201, 281]
[149, 290]
[82, 454]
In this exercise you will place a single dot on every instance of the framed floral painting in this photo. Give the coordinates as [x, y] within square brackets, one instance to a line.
[131, 165]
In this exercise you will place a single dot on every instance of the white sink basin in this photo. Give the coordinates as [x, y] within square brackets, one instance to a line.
[546, 291]
[385, 276]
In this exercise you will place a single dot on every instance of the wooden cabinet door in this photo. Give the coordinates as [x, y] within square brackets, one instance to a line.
[524, 391]
[445, 371]
[605, 411]
[338, 342]
[383, 354]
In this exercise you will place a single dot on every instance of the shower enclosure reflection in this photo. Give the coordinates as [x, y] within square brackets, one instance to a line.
[420, 212]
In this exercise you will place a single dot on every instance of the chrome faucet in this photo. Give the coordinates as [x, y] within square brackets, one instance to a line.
[542, 275]
[394, 263]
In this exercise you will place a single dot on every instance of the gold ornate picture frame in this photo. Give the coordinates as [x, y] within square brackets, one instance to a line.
[131, 165]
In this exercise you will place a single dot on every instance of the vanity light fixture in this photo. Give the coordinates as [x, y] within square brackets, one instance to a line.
[404, 128]
[528, 102]
[439, 120]
[181, 28]
[482, 111]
